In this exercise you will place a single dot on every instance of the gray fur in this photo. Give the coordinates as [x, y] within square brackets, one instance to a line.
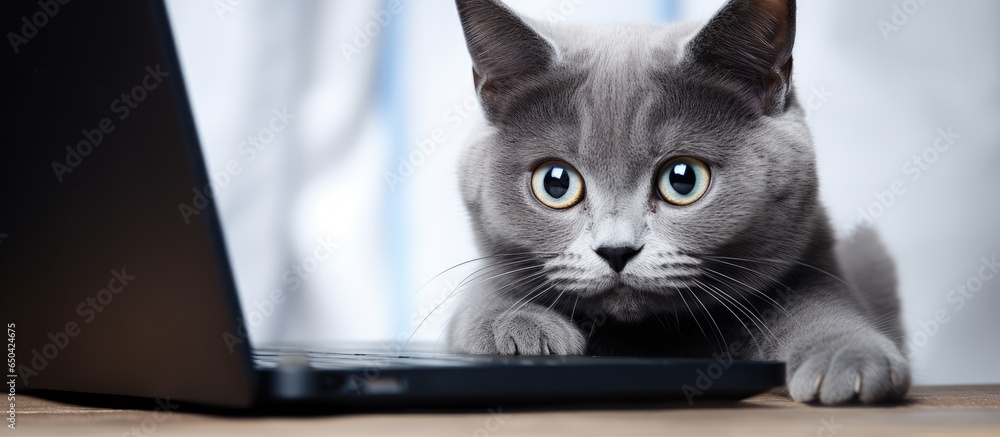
[750, 269]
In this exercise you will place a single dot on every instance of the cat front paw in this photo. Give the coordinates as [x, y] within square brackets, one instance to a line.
[865, 370]
[525, 332]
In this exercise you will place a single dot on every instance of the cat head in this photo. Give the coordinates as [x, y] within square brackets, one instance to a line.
[641, 162]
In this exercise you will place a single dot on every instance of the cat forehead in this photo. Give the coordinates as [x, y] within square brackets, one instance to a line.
[613, 72]
[625, 82]
[617, 48]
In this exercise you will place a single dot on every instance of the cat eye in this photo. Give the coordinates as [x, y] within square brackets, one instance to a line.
[557, 185]
[683, 181]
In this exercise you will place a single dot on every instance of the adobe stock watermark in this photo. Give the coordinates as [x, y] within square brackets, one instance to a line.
[915, 168]
[828, 427]
[223, 7]
[705, 378]
[493, 423]
[365, 33]
[900, 15]
[148, 425]
[293, 277]
[31, 26]
[958, 297]
[88, 311]
[408, 163]
[249, 149]
[818, 98]
[123, 106]
[564, 10]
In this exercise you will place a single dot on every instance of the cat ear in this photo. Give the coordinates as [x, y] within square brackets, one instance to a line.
[750, 41]
[506, 51]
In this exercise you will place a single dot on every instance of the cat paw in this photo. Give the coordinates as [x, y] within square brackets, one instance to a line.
[866, 370]
[528, 332]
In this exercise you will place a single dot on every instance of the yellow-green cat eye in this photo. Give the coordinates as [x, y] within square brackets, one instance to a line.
[557, 185]
[683, 181]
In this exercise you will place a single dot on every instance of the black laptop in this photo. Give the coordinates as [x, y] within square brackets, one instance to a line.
[105, 290]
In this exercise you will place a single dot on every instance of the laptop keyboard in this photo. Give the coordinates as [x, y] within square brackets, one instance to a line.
[272, 357]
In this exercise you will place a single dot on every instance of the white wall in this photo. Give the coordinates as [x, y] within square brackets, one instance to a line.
[323, 176]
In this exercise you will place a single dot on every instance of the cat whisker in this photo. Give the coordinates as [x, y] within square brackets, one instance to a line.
[542, 282]
[528, 278]
[573, 313]
[695, 318]
[677, 316]
[778, 261]
[499, 292]
[495, 267]
[497, 276]
[661, 323]
[750, 311]
[593, 326]
[482, 258]
[557, 299]
[721, 336]
[721, 301]
[529, 296]
[771, 277]
[759, 293]
[754, 317]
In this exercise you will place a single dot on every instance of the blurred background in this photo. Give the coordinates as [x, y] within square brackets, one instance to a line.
[334, 127]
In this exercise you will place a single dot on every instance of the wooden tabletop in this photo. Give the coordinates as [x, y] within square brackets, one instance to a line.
[932, 411]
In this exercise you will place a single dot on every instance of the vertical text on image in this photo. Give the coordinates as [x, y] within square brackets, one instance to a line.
[11, 376]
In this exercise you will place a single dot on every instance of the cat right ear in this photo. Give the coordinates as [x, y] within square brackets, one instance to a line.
[506, 52]
[751, 42]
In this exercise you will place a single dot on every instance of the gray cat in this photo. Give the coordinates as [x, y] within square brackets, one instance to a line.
[652, 190]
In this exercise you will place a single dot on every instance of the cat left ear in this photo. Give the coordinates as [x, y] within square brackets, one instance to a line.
[751, 42]
[505, 51]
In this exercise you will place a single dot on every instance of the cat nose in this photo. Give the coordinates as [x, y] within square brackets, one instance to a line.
[617, 257]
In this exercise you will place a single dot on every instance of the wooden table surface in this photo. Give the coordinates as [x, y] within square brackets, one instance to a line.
[932, 411]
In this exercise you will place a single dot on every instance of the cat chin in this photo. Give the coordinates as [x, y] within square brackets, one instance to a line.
[627, 304]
